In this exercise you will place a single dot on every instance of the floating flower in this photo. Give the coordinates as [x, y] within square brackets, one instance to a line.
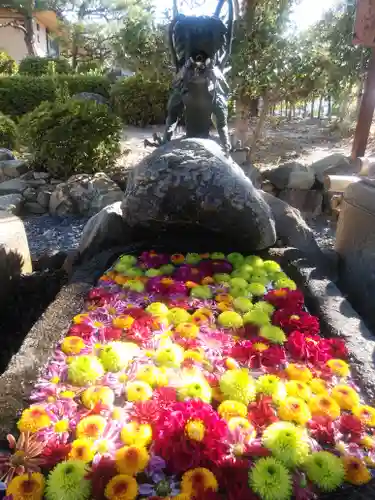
[366, 414]
[273, 334]
[307, 347]
[187, 330]
[318, 386]
[325, 470]
[262, 412]
[82, 449]
[345, 396]
[194, 387]
[271, 480]
[242, 304]
[302, 322]
[91, 427]
[322, 430]
[85, 370]
[288, 443]
[101, 472]
[230, 319]
[351, 427]
[33, 419]
[68, 481]
[138, 391]
[270, 385]
[230, 409]
[26, 487]
[339, 367]
[72, 345]
[238, 385]
[197, 481]
[171, 356]
[131, 459]
[298, 372]
[121, 487]
[324, 406]
[294, 410]
[123, 322]
[152, 375]
[257, 318]
[98, 394]
[356, 471]
[134, 433]
[116, 356]
[291, 300]
[298, 389]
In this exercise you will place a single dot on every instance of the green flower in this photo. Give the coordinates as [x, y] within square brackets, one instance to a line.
[167, 269]
[258, 318]
[236, 259]
[273, 334]
[271, 480]
[287, 442]
[269, 384]
[85, 370]
[238, 385]
[193, 258]
[67, 481]
[325, 470]
[257, 289]
[265, 307]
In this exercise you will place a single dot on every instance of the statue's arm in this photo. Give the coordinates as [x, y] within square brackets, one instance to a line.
[229, 38]
[171, 45]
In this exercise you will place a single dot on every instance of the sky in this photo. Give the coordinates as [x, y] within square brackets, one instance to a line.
[304, 15]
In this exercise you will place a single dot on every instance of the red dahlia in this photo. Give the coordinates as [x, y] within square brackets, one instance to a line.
[286, 299]
[308, 348]
[322, 430]
[290, 321]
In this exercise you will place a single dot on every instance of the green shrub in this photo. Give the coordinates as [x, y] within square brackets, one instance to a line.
[8, 132]
[72, 137]
[86, 83]
[39, 66]
[21, 94]
[139, 101]
[8, 65]
[85, 67]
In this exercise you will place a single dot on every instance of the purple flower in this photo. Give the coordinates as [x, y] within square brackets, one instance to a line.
[161, 485]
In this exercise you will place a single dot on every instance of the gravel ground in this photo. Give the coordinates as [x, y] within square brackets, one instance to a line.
[51, 234]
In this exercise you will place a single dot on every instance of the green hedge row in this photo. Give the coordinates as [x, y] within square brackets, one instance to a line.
[22, 94]
[136, 100]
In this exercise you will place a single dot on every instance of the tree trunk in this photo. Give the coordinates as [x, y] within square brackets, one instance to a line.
[241, 123]
[320, 107]
[254, 107]
[290, 111]
[29, 33]
[329, 110]
[305, 109]
[286, 109]
[260, 125]
[312, 108]
[281, 108]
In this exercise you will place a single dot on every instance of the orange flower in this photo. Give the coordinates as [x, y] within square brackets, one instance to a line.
[208, 280]
[366, 414]
[339, 367]
[298, 372]
[324, 406]
[345, 396]
[131, 459]
[356, 471]
[178, 258]
[27, 487]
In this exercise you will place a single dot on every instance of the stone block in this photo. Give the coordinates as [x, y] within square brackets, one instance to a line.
[30, 194]
[13, 238]
[13, 168]
[292, 175]
[33, 207]
[309, 202]
[44, 196]
[6, 154]
[13, 186]
[11, 203]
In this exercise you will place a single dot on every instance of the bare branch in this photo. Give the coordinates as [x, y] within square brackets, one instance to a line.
[15, 25]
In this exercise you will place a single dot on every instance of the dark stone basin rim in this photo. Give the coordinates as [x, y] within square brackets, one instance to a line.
[323, 299]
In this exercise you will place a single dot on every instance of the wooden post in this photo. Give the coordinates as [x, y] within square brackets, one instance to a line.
[366, 112]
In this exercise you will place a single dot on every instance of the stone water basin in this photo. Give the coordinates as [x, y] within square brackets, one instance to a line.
[337, 319]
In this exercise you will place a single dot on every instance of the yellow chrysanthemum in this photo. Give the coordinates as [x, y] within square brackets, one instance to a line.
[80, 318]
[294, 410]
[243, 425]
[368, 442]
[324, 406]
[171, 356]
[124, 322]
[91, 427]
[98, 395]
[26, 487]
[339, 367]
[152, 375]
[134, 433]
[298, 389]
[202, 316]
[197, 480]
[229, 409]
[72, 345]
[194, 355]
[195, 430]
[356, 471]
[82, 449]
[138, 391]
[187, 330]
[33, 419]
[366, 414]
[131, 459]
[345, 396]
[157, 309]
[121, 487]
[318, 386]
[61, 426]
[298, 372]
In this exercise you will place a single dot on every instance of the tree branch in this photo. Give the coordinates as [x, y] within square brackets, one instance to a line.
[15, 25]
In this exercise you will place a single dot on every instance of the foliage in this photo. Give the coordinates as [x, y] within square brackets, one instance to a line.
[8, 65]
[93, 67]
[72, 137]
[22, 94]
[140, 101]
[38, 66]
[8, 132]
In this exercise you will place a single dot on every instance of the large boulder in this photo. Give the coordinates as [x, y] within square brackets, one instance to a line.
[6, 154]
[13, 186]
[11, 203]
[290, 175]
[14, 248]
[191, 183]
[11, 169]
[334, 164]
[84, 194]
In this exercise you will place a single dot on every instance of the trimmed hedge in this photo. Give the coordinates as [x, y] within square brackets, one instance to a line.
[72, 137]
[21, 94]
[8, 132]
[8, 65]
[139, 101]
[39, 66]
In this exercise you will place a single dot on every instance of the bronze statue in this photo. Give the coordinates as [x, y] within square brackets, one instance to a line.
[200, 48]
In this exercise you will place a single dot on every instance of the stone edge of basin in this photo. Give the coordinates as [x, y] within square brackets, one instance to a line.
[323, 299]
